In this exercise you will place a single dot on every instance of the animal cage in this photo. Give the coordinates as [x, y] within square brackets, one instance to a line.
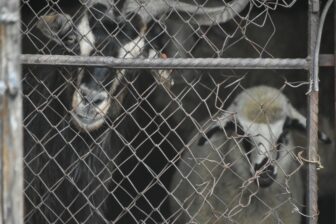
[167, 111]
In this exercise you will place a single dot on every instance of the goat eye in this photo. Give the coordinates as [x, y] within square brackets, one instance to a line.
[71, 39]
[247, 145]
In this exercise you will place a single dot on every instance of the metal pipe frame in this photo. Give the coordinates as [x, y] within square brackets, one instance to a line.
[334, 90]
[312, 116]
[11, 140]
[176, 63]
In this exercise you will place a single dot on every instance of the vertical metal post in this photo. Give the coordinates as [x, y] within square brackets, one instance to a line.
[11, 147]
[313, 23]
[334, 91]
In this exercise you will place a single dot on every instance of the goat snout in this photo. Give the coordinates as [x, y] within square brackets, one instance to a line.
[267, 173]
[90, 108]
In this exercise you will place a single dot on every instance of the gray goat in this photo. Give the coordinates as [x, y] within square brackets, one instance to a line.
[243, 167]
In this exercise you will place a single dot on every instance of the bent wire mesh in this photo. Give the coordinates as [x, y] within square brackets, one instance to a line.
[171, 112]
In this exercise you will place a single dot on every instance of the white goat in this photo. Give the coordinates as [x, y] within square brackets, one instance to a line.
[244, 167]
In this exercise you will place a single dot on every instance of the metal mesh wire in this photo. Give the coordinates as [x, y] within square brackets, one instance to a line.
[106, 144]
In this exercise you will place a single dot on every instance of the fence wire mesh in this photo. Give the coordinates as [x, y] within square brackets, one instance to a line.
[106, 144]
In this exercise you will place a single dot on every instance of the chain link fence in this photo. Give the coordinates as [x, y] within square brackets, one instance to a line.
[165, 111]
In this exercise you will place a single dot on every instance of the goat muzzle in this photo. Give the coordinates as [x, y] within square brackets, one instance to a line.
[267, 174]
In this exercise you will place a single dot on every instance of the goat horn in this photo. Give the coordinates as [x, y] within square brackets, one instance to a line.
[148, 9]
[212, 15]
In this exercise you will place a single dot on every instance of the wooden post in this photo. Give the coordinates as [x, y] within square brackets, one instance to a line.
[11, 144]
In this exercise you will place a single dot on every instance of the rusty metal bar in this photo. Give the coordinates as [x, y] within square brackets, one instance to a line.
[316, 25]
[11, 144]
[312, 118]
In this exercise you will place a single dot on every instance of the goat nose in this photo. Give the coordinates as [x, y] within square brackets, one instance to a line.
[260, 165]
[268, 171]
[267, 174]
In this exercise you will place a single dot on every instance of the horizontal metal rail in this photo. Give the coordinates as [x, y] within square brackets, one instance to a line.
[169, 63]
[326, 60]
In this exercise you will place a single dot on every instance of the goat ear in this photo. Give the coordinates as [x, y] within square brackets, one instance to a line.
[230, 127]
[297, 121]
[55, 26]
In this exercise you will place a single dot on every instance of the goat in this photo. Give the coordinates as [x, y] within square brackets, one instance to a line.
[71, 157]
[244, 167]
[237, 38]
